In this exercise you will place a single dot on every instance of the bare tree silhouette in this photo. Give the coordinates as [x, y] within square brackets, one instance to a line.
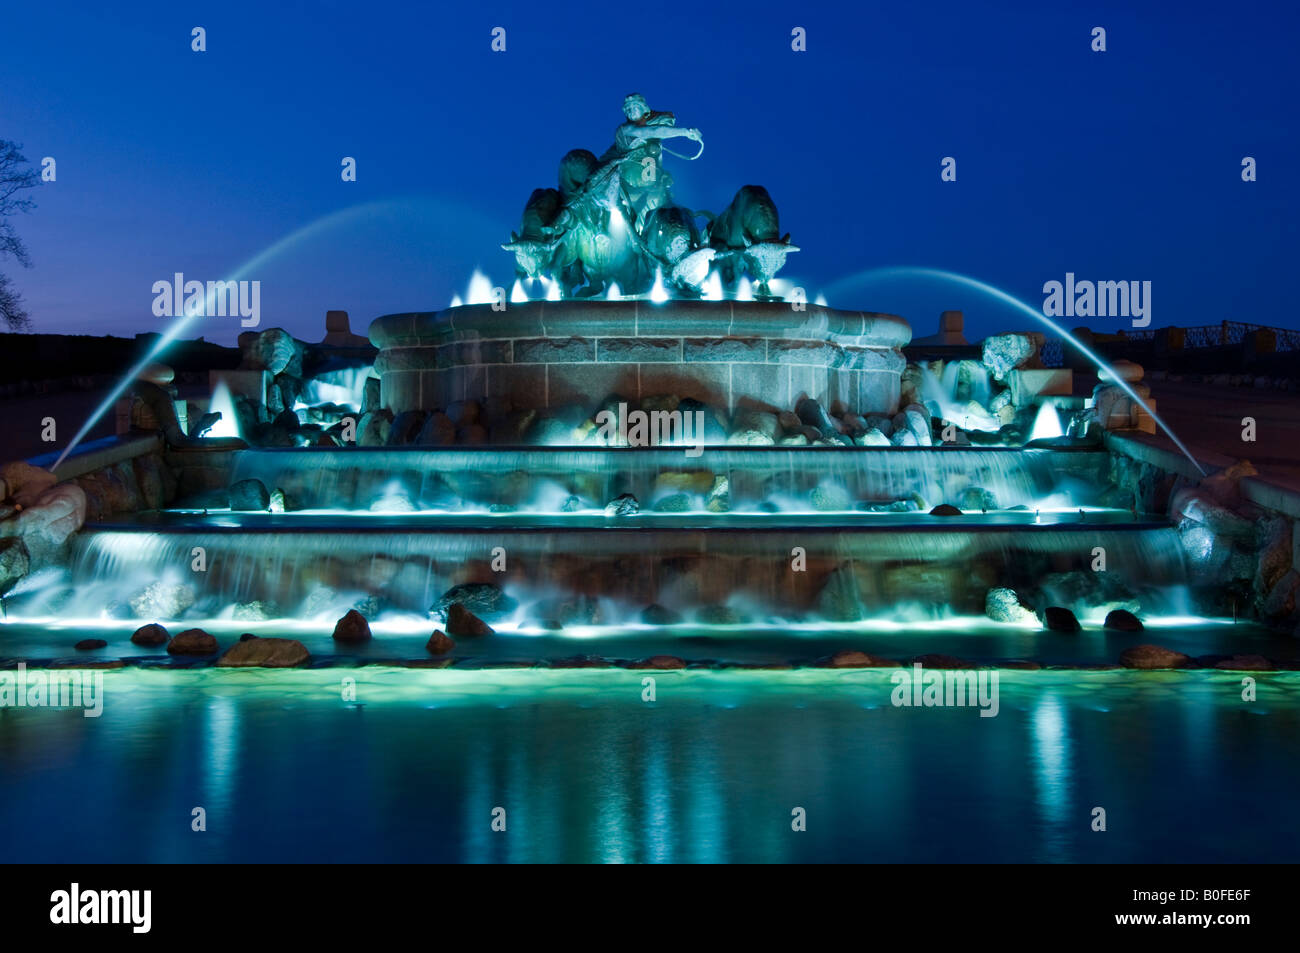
[14, 177]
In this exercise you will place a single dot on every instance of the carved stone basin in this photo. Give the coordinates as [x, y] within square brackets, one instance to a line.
[552, 353]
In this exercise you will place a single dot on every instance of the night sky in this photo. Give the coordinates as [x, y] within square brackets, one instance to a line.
[1122, 165]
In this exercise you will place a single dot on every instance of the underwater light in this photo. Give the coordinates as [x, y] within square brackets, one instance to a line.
[1047, 423]
[658, 293]
[480, 288]
[712, 288]
[517, 294]
[224, 404]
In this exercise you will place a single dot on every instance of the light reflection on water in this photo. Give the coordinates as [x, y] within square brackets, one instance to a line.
[710, 771]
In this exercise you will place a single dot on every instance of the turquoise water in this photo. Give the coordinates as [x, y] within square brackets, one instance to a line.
[286, 769]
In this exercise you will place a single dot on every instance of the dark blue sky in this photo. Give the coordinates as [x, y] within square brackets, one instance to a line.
[1115, 165]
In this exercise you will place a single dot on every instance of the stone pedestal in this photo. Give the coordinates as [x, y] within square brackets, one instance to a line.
[549, 354]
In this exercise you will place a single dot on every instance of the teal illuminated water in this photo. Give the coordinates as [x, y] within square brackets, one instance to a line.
[286, 769]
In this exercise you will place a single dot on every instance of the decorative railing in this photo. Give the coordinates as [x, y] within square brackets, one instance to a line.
[1223, 334]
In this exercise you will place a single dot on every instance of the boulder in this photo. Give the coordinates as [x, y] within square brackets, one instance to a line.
[1121, 620]
[89, 645]
[266, 653]
[352, 628]
[1152, 656]
[852, 658]
[624, 505]
[463, 624]
[249, 494]
[162, 600]
[812, 414]
[945, 509]
[150, 635]
[24, 482]
[440, 643]
[484, 599]
[656, 614]
[1060, 619]
[871, 438]
[14, 562]
[46, 524]
[660, 662]
[1004, 605]
[192, 642]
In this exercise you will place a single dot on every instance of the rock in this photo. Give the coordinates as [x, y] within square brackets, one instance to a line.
[1005, 352]
[830, 498]
[463, 624]
[373, 429]
[1121, 620]
[14, 562]
[192, 642]
[675, 503]
[1152, 656]
[249, 494]
[406, 429]
[370, 395]
[1200, 507]
[569, 610]
[754, 428]
[265, 653]
[839, 599]
[852, 658]
[162, 600]
[977, 498]
[438, 431]
[24, 482]
[812, 414]
[151, 634]
[1003, 605]
[89, 645]
[483, 599]
[719, 496]
[914, 419]
[720, 615]
[656, 614]
[352, 628]
[660, 662]
[904, 438]
[255, 611]
[1246, 663]
[1124, 370]
[624, 505]
[1059, 619]
[789, 422]
[1274, 556]
[55, 515]
[871, 438]
[945, 509]
[440, 643]
[1280, 604]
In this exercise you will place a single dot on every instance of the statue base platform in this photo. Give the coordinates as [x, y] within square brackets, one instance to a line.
[549, 354]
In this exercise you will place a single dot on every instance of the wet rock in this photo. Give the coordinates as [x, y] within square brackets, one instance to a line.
[871, 438]
[812, 414]
[438, 430]
[483, 599]
[256, 611]
[839, 599]
[264, 653]
[464, 624]
[754, 428]
[282, 502]
[624, 505]
[720, 615]
[1060, 619]
[1280, 604]
[1274, 556]
[683, 481]
[192, 642]
[852, 658]
[47, 522]
[793, 440]
[440, 643]
[1152, 656]
[14, 562]
[718, 499]
[370, 395]
[1121, 620]
[151, 634]
[89, 645]
[162, 600]
[1246, 663]
[656, 614]
[572, 504]
[1004, 605]
[789, 422]
[406, 428]
[352, 628]
[1084, 591]
[246, 636]
[904, 438]
[977, 498]
[372, 431]
[675, 503]
[945, 509]
[660, 662]
[830, 498]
